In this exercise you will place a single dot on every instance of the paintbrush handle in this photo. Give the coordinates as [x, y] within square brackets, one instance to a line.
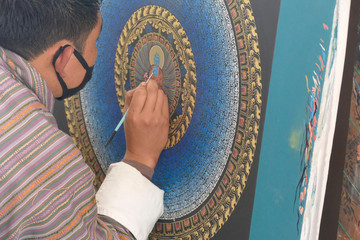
[110, 138]
[121, 121]
[117, 128]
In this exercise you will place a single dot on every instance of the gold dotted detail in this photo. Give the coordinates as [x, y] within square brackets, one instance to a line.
[165, 23]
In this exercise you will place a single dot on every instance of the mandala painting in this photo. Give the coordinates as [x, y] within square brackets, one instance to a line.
[209, 55]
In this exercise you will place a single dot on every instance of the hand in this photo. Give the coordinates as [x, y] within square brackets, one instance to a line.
[159, 78]
[147, 123]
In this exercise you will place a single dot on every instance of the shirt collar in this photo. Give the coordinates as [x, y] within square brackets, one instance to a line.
[25, 73]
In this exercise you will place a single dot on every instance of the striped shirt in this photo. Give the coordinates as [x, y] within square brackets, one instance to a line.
[46, 188]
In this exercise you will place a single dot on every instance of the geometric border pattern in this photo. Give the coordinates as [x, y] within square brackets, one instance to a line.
[165, 22]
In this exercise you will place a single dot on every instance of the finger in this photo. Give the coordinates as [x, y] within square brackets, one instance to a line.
[152, 92]
[138, 99]
[128, 98]
[161, 100]
[165, 106]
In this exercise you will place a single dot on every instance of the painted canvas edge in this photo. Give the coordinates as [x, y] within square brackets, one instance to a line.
[324, 144]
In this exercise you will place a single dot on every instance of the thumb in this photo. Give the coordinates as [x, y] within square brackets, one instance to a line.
[128, 97]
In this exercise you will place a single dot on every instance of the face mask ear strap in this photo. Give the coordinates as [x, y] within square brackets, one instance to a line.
[66, 91]
[57, 54]
[81, 60]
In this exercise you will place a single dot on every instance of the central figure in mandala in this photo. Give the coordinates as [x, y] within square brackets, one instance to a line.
[155, 70]
[156, 47]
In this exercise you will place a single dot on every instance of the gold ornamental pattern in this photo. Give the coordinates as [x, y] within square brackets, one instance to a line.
[163, 22]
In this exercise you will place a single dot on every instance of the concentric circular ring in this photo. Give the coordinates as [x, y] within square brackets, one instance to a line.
[150, 27]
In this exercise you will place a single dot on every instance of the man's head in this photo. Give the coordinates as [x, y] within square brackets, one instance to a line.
[39, 30]
[29, 27]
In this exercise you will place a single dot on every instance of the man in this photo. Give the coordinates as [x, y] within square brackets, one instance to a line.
[47, 50]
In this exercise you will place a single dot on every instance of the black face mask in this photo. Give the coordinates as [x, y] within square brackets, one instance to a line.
[70, 92]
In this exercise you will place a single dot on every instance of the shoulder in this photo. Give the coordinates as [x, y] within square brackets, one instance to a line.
[27, 126]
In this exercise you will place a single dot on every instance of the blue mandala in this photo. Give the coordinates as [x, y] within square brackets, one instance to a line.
[212, 76]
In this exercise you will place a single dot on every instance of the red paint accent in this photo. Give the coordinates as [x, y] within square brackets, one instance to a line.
[211, 203]
[243, 106]
[242, 120]
[235, 153]
[242, 59]
[243, 90]
[219, 192]
[203, 211]
[225, 180]
[168, 227]
[244, 75]
[241, 43]
[234, 13]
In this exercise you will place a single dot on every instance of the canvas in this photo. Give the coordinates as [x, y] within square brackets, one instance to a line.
[300, 119]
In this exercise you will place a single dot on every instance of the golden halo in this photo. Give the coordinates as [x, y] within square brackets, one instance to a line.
[156, 50]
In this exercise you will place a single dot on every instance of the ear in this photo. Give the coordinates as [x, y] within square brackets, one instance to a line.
[63, 60]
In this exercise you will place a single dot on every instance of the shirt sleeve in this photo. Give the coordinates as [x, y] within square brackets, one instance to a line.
[46, 188]
[143, 169]
[131, 199]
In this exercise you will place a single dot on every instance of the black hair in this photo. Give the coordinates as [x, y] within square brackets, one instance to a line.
[29, 27]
